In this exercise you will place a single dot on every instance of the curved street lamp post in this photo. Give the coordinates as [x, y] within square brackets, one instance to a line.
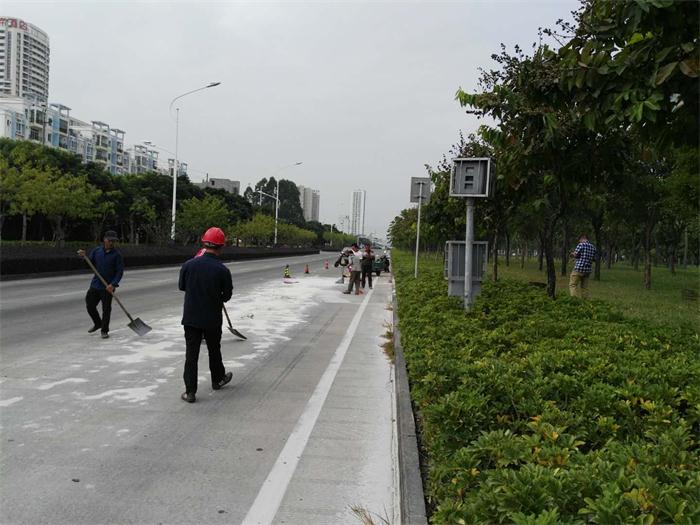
[177, 136]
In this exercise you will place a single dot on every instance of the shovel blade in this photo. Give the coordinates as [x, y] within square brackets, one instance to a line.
[237, 333]
[138, 326]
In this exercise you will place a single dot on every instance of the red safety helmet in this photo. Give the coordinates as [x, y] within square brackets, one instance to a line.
[214, 236]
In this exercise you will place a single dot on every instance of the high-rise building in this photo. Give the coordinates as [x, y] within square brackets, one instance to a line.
[357, 212]
[24, 60]
[310, 201]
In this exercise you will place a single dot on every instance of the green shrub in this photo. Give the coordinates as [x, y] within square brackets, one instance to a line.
[536, 411]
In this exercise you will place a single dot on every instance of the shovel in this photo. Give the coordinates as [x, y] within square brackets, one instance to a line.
[137, 325]
[230, 327]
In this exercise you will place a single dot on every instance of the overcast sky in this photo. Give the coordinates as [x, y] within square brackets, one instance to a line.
[361, 93]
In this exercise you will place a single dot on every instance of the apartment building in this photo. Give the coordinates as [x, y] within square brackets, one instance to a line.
[358, 201]
[24, 60]
[310, 201]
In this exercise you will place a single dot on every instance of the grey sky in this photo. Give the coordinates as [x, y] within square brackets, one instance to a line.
[362, 93]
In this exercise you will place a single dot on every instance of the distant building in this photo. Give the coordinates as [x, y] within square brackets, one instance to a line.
[24, 61]
[231, 186]
[310, 201]
[26, 114]
[357, 212]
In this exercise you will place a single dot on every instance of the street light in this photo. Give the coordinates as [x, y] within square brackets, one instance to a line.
[276, 196]
[177, 131]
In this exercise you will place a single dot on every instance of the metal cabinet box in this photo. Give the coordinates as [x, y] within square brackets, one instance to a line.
[416, 191]
[454, 266]
[472, 177]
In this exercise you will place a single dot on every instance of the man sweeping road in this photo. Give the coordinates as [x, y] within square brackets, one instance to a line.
[109, 263]
[207, 285]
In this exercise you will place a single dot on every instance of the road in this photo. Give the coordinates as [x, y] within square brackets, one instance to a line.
[93, 431]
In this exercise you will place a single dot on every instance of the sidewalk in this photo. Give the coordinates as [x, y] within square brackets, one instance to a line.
[349, 460]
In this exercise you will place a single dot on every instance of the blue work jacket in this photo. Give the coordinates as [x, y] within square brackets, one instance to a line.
[109, 264]
[207, 285]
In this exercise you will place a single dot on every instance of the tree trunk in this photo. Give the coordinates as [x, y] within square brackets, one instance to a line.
[507, 248]
[58, 231]
[565, 249]
[610, 255]
[685, 249]
[672, 260]
[647, 255]
[523, 255]
[495, 256]
[24, 227]
[551, 269]
[597, 226]
[540, 253]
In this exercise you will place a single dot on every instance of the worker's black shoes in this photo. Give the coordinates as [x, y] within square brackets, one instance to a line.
[188, 396]
[227, 378]
[94, 329]
[105, 335]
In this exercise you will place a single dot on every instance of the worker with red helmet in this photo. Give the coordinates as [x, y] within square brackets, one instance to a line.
[207, 285]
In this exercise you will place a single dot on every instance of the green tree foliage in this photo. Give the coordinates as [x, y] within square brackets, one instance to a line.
[259, 231]
[197, 215]
[66, 197]
[636, 62]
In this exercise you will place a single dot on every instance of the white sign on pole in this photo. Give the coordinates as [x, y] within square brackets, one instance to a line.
[420, 190]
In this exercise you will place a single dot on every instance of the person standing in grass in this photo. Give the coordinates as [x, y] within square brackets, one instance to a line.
[584, 255]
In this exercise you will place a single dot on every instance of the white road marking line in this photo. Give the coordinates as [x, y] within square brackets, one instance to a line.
[275, 486]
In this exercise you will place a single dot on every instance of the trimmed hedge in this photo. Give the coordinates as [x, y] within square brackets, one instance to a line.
[29, 259]
[536, 411]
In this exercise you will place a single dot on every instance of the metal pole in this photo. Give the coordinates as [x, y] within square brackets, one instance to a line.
[420, 202]
[277, 207]
[177, 138]
[364, 209]
[469, 241]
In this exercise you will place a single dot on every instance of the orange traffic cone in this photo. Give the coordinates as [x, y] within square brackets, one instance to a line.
[306, 269]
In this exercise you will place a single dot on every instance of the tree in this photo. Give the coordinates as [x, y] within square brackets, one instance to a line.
[259, 231]
[66, 197]
[635, 63]
[197, 215]
[10, 184]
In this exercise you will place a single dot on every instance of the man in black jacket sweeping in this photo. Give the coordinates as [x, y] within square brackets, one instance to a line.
[207, 285]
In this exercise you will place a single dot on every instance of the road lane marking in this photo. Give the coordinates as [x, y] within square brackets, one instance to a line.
[275, 486]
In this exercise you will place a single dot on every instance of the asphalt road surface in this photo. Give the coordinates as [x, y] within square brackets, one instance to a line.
[93, 431]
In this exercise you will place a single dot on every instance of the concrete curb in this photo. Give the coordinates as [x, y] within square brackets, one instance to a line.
[411, 496]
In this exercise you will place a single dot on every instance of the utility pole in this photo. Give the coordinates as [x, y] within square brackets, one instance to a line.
[420, 204]
[468, 255]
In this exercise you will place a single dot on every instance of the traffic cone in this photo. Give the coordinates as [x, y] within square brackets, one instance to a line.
[306, 269]
[286, 272]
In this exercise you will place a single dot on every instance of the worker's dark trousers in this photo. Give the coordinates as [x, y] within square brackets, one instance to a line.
[92, 298]
[355, 278]
[367, 273]
[193, 340]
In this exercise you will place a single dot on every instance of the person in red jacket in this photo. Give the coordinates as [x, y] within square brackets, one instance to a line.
[207, 285]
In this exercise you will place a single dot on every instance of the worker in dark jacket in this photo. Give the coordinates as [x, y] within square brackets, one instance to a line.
[207, 285]
[110, 265]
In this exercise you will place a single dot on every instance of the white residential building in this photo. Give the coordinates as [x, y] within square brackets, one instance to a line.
[310, 201]
[357, 212]
[24, 60]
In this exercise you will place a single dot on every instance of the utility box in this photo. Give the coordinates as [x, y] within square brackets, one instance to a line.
[416, 191]
[472, 177]
[454, 266]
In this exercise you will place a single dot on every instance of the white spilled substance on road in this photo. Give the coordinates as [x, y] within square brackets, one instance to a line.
[11, 401]
[48, 386]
